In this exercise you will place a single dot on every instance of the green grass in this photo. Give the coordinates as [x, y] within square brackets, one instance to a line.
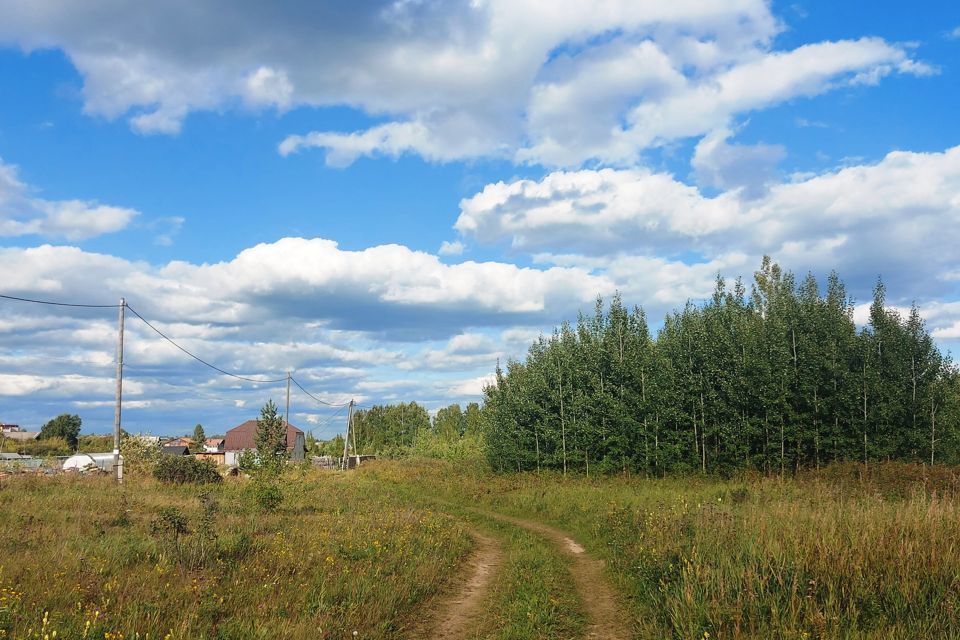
[337, 557]
[836, 554]
[532, 597]
[844, 553]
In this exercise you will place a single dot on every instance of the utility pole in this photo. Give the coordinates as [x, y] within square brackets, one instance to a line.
[346, 438]
[117, 463]
[286, 416]
[356, 451]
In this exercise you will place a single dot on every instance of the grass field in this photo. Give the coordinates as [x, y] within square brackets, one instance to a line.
[839, 554]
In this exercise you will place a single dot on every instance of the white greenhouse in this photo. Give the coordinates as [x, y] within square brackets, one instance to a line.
[90, 461]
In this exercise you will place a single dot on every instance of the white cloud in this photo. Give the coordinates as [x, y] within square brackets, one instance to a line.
[471, 388]
[863, 220]
[21, 213]
[718, 163]
[166, 229]
[269, 87]
[506, 78]
[451, 248]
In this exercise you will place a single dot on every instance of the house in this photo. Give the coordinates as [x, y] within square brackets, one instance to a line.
[21, 436]
[179, 442]
[214, 445]
[243, 437]
[6, 428]
[174, 450]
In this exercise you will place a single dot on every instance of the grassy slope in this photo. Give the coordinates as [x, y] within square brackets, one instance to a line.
[834, 556]
[819, 557]
[337, 557]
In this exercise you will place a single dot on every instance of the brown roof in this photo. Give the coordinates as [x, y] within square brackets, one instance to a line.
[244, 436]
[21, 435]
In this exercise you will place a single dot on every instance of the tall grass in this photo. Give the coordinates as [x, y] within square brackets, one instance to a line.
[844, 553]
[87, 559]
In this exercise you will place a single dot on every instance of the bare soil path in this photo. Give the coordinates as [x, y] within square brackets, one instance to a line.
[606, 618]
[455, 615]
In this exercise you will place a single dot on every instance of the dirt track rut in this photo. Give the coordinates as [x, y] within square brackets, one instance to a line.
[606, 619]
[454, 616]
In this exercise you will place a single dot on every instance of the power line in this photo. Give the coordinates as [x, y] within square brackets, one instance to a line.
[62, 304]
[329, 420]
[198, 358]
[174, 343]
[329, 404]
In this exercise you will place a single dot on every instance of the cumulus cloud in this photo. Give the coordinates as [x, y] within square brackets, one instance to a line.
[450, 80]
[268, 87]
[451, 248]
[23, 214]
[907, 203]
[350, 323]
[718, 163]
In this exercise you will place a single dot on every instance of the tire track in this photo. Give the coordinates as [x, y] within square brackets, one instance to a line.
[606, 619]
[455, 615]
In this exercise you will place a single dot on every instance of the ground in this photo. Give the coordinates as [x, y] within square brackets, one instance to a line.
[417, 550]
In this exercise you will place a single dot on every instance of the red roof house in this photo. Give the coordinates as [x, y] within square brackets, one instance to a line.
[244, 437]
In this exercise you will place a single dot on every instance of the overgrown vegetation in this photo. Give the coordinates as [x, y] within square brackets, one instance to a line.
[775, 381]
[89, 559]
[839, 553]
[186, 470]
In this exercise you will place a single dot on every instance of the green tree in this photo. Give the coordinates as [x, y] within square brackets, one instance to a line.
[778, 380]
[271, 437]
[448, 422]
[199, 439]
[64, 426]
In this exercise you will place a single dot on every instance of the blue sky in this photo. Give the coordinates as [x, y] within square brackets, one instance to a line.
[388, 198]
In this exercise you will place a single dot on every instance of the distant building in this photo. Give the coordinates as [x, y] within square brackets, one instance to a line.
[179, 442]
[218, 457]
[22, 436]
[243, 437]
[7, 428]
[175, 450]
[215, 445]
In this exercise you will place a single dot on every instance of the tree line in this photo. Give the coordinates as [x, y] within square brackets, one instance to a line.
[407, 429]
[774, 380]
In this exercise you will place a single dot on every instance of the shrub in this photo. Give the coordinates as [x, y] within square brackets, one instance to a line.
[186, 469]
[140, 455]
[267, 492]
[40, 448]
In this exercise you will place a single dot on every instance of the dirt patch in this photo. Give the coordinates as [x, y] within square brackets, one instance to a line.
[606, 619]
[454, 616]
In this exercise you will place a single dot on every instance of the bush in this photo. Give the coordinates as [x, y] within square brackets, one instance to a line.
[140, 455]
[267, 492]
[186, 469]
[38, 448]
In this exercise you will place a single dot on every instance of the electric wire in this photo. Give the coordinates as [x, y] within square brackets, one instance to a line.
[198, 358]
[328, 421]
[62, 304]
[174, 343]
[324, 402]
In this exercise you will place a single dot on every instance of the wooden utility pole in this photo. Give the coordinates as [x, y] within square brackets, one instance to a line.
[353, 431]
[117, 463]
[286, 415]
[346, 438]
